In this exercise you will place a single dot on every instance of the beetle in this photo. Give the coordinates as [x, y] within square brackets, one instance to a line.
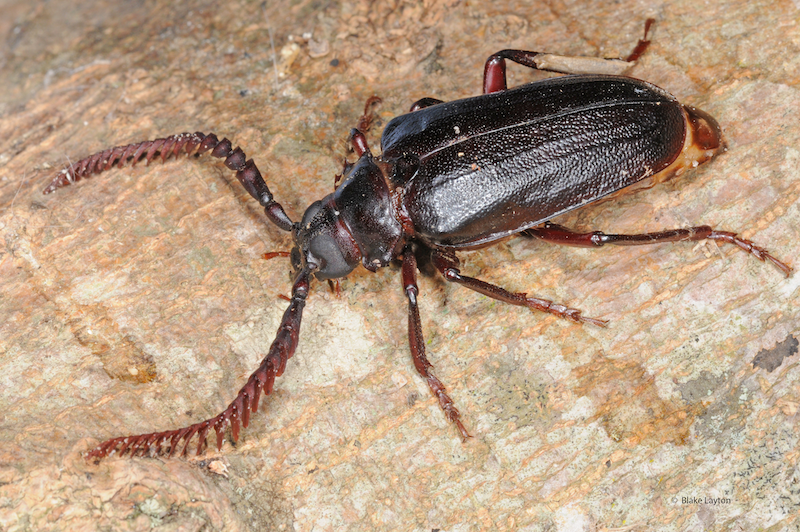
[455, 176]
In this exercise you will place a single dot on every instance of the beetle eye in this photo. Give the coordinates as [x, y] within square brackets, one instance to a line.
[324, 243]
[330, 258]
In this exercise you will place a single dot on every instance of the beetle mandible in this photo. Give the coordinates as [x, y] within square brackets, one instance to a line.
[455, 176]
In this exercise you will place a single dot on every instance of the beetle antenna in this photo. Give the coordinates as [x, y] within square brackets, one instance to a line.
[191, 143]
[238, 411]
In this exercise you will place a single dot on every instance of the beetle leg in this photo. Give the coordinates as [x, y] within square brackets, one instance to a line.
[359, 142]
[366, 120]
[417, 343]
[561, 235]
[494, 72]
[246, 401]
[447, 264]
[643, 43]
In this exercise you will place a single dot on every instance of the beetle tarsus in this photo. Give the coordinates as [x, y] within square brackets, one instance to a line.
[572, 314]
[368, 118]
[447, 264]
[757, 251]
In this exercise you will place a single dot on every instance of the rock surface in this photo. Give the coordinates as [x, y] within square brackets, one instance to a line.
[138, 301]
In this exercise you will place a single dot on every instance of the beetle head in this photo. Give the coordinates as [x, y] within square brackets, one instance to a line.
[323, 242]
[357, 223]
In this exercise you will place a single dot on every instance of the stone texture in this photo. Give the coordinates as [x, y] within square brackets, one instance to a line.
[138, 301]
